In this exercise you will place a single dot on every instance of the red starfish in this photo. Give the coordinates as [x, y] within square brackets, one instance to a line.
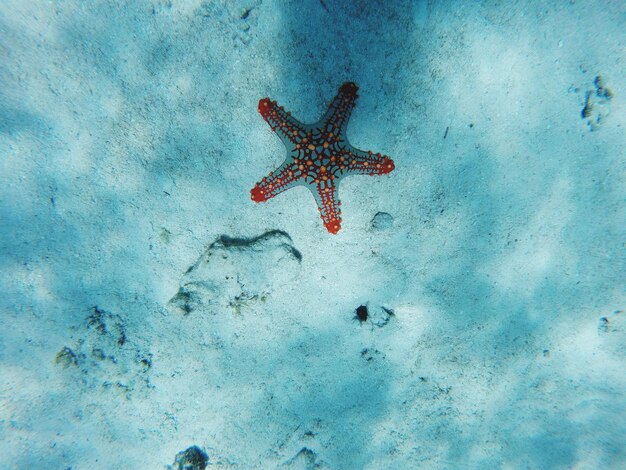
[319, 155]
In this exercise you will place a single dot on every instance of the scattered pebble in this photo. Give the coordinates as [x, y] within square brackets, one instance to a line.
[192, 458]
[66, 357]
[596, 106]
[361, 313]
[378, 317]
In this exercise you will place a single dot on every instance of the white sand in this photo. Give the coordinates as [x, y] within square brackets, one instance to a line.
[129, 142]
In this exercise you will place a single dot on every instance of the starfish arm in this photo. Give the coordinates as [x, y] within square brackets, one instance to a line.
[358, 162]
[327, 198]
[289, 129]
[285, 177]
[336, 118]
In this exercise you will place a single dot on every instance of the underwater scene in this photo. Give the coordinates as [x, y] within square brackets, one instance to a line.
[312, 234]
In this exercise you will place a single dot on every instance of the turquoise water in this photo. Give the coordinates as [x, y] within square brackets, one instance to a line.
[469, 312]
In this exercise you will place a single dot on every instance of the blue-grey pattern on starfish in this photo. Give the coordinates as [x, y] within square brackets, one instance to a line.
[319, 155]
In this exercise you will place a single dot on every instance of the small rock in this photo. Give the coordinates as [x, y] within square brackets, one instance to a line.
[236, 273]
[602, 91]
[603, 327]
[383, 317]
[382, 221]
[304, 459]
[66, 357]
[597, 104]
[378, 316]
[193, 458]
[370, 354]
[361, 313]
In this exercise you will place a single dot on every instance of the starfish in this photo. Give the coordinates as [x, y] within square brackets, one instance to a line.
[319, 155]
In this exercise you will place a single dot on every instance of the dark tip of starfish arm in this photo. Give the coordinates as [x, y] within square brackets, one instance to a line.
[349, 88]
[333, 226]
[257, 194]
[388, 166]
[265, 107]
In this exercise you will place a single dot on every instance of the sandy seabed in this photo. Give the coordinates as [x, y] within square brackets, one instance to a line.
[149, 305]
